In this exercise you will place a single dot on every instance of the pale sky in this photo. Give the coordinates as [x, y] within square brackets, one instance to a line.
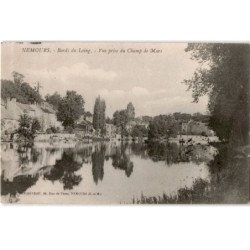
[151, 81]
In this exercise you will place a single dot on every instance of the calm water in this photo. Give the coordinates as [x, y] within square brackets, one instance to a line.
[106, 173]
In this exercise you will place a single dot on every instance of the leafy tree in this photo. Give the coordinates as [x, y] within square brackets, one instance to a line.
[70, 109]
[223, 75]
[20, 90]
[109, 120]
[28, 127]
[120, 119]
[30, 94]
[103, 117]
[130, 111]
[139, 131]
[162, 126]
[99, 119]
[18, 78]
[35, 126]
[54, 100]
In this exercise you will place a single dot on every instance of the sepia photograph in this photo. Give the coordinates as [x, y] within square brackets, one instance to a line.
[124, 123]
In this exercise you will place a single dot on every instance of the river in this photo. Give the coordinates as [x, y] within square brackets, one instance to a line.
[99, 173]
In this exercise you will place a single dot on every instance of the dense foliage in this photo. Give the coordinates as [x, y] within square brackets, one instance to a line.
[54, 100]
[223, 75]
[70, 109]
[99, 117]
[22, 91]
[162, 126]
[28, 127]
[139, 131]
[130, 111]
[120, 119]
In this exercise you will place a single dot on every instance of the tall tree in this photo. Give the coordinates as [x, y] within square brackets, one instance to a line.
[70, 109]
[103, 117]
[99, 117]
[130, 111]
[223, 75]
[97, 113]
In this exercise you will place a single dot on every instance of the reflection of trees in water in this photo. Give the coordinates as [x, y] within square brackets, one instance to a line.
[121, 160]
[98, 157]
[64, 170]
[84, 153]
[168, 152]
[18, 185]
[229, 182]
[140, 149]
[171, 152]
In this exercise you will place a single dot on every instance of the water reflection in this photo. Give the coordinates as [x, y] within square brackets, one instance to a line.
[69, 165]
[17, 186]
[64, 170]
[98, 157]
[121, 160]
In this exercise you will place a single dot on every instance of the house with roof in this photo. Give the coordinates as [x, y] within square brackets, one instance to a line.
[84, 128]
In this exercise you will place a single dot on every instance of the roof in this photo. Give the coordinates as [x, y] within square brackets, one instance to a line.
[83, 124]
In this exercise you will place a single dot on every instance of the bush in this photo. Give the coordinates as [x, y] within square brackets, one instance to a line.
[203, 133]
[49, 131]
[69, 129]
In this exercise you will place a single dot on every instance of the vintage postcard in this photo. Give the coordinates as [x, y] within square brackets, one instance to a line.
[124, 123]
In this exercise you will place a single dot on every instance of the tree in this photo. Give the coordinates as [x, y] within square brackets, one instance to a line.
[30, 94]
[54, 100]
[99, 118]
[223, 75]
[120, 119]
[109, 120]
[19, 89]
[70, 109]
[18, 78]
[103, 117]
[139, 131]
[28, 127]
[130, 111]
[35, 126]
[162, 126]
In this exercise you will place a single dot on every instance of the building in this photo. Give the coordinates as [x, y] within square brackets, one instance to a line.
[84, 129]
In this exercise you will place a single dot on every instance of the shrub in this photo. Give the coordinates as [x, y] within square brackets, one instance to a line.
[49, 131]
[69, 129]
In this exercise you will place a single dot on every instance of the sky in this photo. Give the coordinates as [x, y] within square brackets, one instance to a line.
[149, 75]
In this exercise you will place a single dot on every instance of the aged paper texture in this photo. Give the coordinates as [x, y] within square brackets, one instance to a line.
[124, 123]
